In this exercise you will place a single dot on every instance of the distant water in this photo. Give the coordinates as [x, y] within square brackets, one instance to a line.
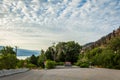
[22, 57]
[25, 53]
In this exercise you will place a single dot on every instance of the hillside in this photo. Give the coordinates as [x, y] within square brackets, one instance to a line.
[103, 41]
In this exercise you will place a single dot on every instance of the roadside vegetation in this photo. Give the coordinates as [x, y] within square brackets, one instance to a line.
[8, 58]
[107, 56]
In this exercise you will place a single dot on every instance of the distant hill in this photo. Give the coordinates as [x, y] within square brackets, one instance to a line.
[25, 52]
[87, 45]
[1, 47]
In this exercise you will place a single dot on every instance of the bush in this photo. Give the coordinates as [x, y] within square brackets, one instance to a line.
[116, 67]
[60, 63]
[20, 63]
[50, 64]
[8, 61]
[31, 66]
[83, 63]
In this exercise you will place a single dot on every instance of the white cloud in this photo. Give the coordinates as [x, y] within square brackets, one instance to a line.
[37, 23]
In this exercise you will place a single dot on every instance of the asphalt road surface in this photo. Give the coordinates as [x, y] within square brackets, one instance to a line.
[67, 74]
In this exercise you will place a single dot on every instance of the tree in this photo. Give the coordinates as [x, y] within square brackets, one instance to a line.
[33, 59]
[50, 64]
[114, 44]
[6, 50]
[60, 57]
[64, 51]
[93, 52]
[116, 61]
[72, 52]
[8, 61]
[21, 63]
[61, 51]
[107, 58]
[49, 53]
[8, 58]
[41, 59]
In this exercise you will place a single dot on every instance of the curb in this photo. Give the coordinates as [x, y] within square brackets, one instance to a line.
[12, 71]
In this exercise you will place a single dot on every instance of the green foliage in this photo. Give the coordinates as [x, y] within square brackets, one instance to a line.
[1, 62]
[50, 53]
[64, 51]
[93, 52]
[72, 52]
[8, 58]
[41, 59]
[8, 61]
[117, 61]
[114, 44]
[83, 63]
[50, 64]
[108, 56]
[31, 66]
[6, 50]
[20, 63]
[33, 59]
[61, 57]
[60, 63]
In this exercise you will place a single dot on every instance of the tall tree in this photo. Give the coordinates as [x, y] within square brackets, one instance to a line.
[33, 59]
[7, 50]
[8, 58]
[73, 50]
[64, 51]
[41, 59]
[49, 53]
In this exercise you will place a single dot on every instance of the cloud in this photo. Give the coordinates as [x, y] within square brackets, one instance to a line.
[37, 23]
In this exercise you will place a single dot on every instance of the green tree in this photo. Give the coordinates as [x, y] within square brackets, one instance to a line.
[107, 58]
[49, 53]
[8, 61]
[33, 60]
[8, 58]
[73, 50]
[63, 51]
[50, 64]
[21, 63]
[41, 59]
[116, 63]
[6, 50]
[114, 44]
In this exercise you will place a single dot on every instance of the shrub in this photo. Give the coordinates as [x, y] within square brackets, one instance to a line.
[8, 61]
[83, 63]
[30, 66]
[20, 63]
[50, 64]
[59, 63]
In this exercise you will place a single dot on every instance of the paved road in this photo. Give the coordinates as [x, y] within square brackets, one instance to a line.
[67, 74]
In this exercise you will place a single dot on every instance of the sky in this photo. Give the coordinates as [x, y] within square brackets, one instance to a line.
[36, 24]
